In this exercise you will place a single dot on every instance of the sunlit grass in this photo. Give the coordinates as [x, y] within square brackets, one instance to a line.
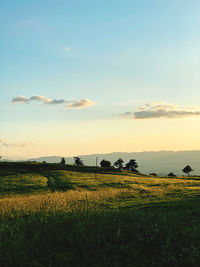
[69, 191]
[22, 183]
[67, 218]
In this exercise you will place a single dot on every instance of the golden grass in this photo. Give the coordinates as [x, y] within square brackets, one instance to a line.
[92, 192]
[70, 201]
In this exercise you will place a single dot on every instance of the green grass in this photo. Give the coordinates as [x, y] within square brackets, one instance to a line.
[52, 217]
[21, 184]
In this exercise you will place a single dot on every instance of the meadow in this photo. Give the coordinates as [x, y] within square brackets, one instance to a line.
[53, 215]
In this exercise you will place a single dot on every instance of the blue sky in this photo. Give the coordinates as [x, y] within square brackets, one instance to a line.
[121, 55]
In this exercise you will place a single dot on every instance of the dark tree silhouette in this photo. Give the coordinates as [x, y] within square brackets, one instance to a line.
[105, 163]
[62, 161]
[187, 169]
[153, 174]
[171, 174]
[132, 165]
[119, 164]
[78, 161]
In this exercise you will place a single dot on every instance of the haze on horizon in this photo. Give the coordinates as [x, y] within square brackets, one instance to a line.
[84, 77]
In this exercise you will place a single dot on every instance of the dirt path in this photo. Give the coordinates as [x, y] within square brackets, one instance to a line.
[55, 184]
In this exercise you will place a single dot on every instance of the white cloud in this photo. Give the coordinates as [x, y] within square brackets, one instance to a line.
[83, 103]
[67, 49]
[162, 110]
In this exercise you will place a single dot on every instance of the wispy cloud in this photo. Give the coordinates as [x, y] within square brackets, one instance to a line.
[83, 103]
[7, 144]
[20, 99]
[67, 49]
[54, 101]
[162, 110]
[38, 98]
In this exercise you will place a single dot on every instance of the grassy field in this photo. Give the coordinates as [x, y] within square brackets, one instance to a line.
[53, 216]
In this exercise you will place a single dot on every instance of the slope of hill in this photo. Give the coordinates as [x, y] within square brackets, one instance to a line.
[56, 217]
[161, 162]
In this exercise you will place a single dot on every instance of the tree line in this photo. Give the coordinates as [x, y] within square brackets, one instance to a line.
[129, 166]
[119, 164]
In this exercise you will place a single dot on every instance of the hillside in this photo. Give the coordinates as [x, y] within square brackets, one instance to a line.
[56, 217]
[161, 162]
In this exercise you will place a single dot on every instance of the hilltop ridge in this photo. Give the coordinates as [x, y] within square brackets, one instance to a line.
[161, 162]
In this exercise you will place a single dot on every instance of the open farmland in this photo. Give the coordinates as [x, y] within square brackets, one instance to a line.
[59, 217]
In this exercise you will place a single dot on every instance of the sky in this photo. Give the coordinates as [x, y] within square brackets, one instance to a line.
[83, 76]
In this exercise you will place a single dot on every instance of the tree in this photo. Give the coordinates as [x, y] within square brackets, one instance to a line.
[62, 161]
[171, 174]
[78, 161]
[119, 163]
[105, 163]
[132, 165]
[153, 174]
[187, 169]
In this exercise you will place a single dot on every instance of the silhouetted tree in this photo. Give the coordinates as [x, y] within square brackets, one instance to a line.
[78, 161]
[62, 161]
[45, 162]
[171, 174]
[119, 163]
[187, 169]
[132, 165]
[105, 163]
[153, 174]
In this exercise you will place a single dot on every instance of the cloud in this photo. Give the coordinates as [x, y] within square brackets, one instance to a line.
[38, 98]
[55, 101]
[67, 49]
[83, 103]
[128, 115]
[20, 99]
[6, 144]
[162, 110]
